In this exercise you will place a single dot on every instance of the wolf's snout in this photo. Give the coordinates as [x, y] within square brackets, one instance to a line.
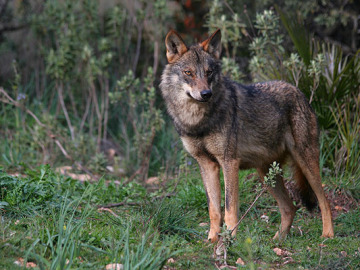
[206, 94]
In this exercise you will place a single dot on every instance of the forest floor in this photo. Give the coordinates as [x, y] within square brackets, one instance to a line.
[50, 221]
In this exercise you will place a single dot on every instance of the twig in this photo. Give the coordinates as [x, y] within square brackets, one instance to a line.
[19, 105]
[247, 211]
[321, 247]
[59, 87]
[229, 7]
[62, 149]
[108, 210]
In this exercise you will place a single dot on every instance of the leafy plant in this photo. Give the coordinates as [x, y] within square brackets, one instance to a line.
[172, 218]
[146, 254]
[64, 242]
[144, 119]
[25, 195]
[274, 171]
[347, 152]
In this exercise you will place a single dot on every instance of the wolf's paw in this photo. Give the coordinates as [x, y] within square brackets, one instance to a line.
[213, 236]
[280, 236]
[328, 235]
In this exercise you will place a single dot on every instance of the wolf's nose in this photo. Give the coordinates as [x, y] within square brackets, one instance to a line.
[206, 94]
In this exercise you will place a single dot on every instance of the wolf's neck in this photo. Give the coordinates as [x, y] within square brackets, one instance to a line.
[198, 119]
[192, 113]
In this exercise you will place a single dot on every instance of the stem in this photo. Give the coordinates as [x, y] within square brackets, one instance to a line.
[73, 103]
[138, 46]
[97, 109]
[156, 57]
[59, 87]
[87, 108]
[106, 112]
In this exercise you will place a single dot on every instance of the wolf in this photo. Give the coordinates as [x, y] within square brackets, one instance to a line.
[229, 126]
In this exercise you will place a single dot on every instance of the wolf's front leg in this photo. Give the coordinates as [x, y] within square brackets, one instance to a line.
[210, 173]
[231, 179]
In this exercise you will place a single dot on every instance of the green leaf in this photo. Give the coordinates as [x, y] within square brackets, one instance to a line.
[298, 34]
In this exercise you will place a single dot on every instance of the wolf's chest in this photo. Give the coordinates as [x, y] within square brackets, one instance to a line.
[213, 145]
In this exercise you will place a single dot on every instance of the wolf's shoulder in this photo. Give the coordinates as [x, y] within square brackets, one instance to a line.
[273, 86]
[267, 88]
[243, 89]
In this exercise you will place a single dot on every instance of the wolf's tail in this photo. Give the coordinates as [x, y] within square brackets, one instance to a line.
[307, 195]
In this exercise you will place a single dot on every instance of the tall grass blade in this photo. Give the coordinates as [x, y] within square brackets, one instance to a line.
[298, 34]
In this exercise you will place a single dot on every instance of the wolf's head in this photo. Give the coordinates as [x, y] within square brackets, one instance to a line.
[194, 70]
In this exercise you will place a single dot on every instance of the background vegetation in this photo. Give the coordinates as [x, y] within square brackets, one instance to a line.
[79, 92]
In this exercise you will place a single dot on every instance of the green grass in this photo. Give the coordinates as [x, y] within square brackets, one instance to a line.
[62, 229]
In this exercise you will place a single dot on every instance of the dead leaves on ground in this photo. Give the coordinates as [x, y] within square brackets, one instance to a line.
[285, 255]
[68, 171]
[114, 266]
[21, 262]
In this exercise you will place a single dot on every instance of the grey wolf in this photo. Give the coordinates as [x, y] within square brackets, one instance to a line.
[229, 126]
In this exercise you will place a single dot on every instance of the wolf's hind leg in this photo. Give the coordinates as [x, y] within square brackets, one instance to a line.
[210, 173]
[286, 206]
[307, 160]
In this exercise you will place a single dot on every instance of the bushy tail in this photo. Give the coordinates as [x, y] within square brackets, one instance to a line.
[307, 195]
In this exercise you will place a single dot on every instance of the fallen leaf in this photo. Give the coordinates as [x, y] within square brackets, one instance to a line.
[20, 262]
[152, 181]
[66, 170]
[108, 210]
[265, 218]
[171, 260]
[31, 265]
[118, 170]
[114, 266]
[240, 261]
[343, 253]
[338, 208]
[322, 245]
[110, 168]
[203, 224]
[288, 260]
[281, 252]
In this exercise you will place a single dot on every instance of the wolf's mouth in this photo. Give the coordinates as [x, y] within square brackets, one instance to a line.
[198, 100]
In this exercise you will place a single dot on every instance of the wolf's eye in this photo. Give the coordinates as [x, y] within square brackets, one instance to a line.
[209, 73]
[188, 72]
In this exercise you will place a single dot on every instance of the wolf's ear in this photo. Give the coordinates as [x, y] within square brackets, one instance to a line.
[213, 44]
[175, 46]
